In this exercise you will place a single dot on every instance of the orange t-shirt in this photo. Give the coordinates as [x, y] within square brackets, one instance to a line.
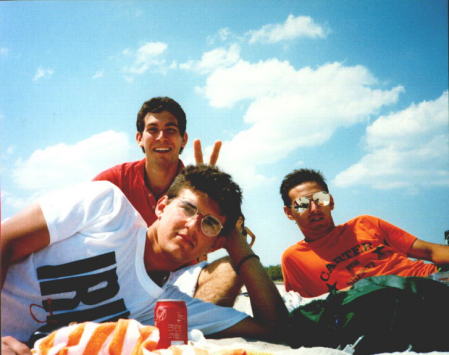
[362, 247]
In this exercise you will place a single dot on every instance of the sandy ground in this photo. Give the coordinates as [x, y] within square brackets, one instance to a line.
[243, 304]
[263, 348]
[291, 299]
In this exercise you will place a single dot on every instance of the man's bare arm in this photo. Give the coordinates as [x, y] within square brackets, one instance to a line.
[270, 313]
[218, 283]
[21, 235]
[436, 253]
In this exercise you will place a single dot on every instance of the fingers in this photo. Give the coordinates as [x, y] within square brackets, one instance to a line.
[237, 243]
[215, 152]
[242, 230]
[197, 151]
[245, 231]
[12, 346]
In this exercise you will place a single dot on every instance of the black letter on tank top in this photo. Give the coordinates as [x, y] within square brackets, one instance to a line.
[90, 289]
[81, 285]
[76, 267]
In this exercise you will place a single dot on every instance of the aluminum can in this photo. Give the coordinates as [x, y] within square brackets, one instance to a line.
[170, 317]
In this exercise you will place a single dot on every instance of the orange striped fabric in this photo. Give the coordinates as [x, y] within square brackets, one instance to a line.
[124, 337]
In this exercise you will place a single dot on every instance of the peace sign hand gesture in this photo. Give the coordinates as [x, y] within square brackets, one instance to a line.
[199, 153]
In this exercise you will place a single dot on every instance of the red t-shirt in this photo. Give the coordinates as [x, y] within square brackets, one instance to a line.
[362, 247]
[130, 178]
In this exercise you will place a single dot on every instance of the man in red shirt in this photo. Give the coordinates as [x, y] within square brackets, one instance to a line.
[335, 257]
[161, 134]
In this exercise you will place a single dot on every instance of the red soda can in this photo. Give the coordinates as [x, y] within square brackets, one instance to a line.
[170, 317]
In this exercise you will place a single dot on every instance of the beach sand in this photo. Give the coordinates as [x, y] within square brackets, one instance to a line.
[243, 304]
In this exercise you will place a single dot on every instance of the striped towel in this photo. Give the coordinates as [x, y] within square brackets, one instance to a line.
[124, 337]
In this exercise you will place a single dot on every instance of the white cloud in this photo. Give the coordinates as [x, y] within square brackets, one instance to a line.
[290, 108]
[222, 35]
[405, 149]
[293, 27]
[99, 74]
[9, 151]
[145, 57]
[61, 165]
[216, 58]
[410, 126]
[42, 73]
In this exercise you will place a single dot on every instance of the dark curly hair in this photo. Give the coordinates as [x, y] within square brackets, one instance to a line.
[159, 104]
[217, 184]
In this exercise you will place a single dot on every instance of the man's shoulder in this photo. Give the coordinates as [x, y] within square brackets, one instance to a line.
[102, 185]
[299, 246]
[100, 188]
[363, 223]
[107, 194]
[362, 219]
[124, 167]
[86, 193]
[121, 173]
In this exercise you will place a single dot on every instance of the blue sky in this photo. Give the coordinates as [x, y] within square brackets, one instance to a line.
[356, 89]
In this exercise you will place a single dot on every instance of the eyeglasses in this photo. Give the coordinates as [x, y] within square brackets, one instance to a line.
[302, 204]
[210, 226]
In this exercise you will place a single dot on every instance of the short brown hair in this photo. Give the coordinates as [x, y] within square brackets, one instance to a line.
[159, 104]
[215, 183]
[297, 177]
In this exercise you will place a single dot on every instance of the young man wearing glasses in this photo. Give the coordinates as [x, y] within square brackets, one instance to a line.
[85, 254]
[335, 257]
[161, 134]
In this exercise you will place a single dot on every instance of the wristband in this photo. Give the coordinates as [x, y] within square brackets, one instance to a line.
[240, 263]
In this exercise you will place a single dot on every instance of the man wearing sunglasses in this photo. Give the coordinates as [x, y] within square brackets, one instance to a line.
[335, 257]
[85, 254]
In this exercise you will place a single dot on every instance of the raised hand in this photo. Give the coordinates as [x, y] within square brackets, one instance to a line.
[199, 153]
[248, 233]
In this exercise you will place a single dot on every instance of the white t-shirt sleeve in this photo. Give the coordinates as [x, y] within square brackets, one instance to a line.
[73, 209]
[186, 279]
